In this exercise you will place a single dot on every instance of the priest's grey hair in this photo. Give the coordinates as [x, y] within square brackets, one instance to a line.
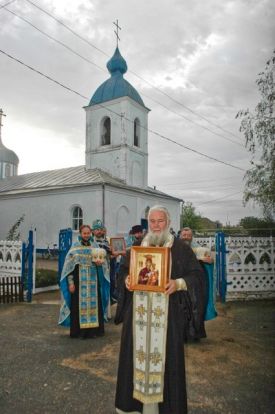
[158, 239]
[163, 209]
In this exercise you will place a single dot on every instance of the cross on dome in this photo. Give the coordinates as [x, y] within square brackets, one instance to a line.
[116, 31]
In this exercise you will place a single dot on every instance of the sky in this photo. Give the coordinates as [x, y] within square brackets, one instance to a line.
[194, 64]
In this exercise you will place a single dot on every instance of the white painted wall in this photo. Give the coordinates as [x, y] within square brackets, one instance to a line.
[121, 158]
[50, 211]
[119, 223]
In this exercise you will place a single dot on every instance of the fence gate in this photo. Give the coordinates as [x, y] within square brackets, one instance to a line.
[221, 279]
[11, 287]
[27, 265]
[65, 242]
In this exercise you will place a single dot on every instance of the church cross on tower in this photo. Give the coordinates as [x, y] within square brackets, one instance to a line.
[116, 31]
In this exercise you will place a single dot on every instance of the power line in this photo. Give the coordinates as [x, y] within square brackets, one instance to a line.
[220, 198]
[193, 150]
[200, 181]
[55, 40]
[7, 4]
[119, 115]
[68, 28]
[99, 67]
[213, 187]
[193, 122]
[189, 109]
[42, 74]
[144, 80]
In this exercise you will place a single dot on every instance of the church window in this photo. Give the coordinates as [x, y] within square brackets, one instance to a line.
[106, 131]
[7, 170]
[147, 212]
[136, 133]
[123, 222]
[77, 218]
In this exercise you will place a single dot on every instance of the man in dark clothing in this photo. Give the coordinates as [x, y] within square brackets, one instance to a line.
[203, 308]
[151, 372]
[135, 235]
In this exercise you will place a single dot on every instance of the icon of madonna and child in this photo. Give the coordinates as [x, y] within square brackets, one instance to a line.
[148, 275]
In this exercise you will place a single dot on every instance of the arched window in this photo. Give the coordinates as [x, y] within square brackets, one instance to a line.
[77, 217]
[106, 131]
[7, 170]
[136, 133]
[123, 222]
[147, 212]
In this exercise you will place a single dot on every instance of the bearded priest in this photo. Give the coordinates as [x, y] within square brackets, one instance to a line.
[151, 371]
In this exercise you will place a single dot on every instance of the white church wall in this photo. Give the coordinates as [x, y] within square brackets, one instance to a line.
[49, 212]
[122, 131]
[136, 174]
[119, 203]
[131, 111]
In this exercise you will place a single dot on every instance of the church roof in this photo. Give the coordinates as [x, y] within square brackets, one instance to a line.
[65, 178]
[116, 86]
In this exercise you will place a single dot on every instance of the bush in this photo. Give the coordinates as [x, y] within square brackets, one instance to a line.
[46, 277]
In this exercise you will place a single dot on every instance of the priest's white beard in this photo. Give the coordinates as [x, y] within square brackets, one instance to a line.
[157, 239]
[188, 242]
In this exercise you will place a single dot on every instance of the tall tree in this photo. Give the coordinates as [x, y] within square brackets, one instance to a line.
[259, 131]
[189, 217]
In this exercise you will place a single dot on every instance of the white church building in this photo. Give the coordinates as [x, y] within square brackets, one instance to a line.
[111, 186]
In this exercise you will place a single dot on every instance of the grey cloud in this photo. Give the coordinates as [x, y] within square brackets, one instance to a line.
[157, 40]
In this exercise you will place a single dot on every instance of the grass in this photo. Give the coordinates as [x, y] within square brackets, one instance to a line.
[46, 277]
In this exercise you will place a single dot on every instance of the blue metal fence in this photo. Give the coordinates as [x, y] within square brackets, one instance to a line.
[65, 242]
[27, 266]
[221, 265]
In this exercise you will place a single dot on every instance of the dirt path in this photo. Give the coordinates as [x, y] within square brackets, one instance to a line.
[44, 371]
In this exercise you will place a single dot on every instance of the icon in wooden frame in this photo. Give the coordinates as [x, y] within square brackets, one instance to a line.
[118, 246]
[149, 268]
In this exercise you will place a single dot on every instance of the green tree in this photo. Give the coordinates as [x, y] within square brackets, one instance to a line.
[259, 131]
[14, 233]
[189, 217]
[258, 226]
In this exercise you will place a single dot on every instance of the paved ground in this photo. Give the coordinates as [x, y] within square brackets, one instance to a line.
[44, 371]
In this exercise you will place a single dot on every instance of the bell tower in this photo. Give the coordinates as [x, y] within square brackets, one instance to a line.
[116, 128]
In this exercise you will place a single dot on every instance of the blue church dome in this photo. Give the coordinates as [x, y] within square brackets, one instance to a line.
[7, 155]
[116, 86]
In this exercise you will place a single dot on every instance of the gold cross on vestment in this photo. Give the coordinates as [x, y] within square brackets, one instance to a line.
[141, 311]
[155, 357]
[116, 31]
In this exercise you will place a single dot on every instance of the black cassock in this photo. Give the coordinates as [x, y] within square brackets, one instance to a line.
[199, 298]
[180, 322]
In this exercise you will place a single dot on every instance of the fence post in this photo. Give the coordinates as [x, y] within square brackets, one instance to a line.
[221, 265]
[23, 263]
[30, 265]
[34, 261]
[65, 242]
